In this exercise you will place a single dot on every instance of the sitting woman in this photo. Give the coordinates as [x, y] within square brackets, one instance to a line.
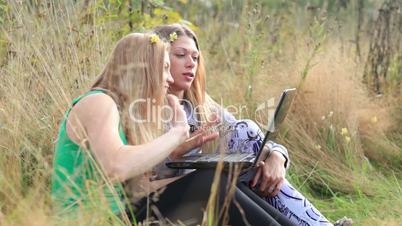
[188, 73]
[99, 143]
[110, 135]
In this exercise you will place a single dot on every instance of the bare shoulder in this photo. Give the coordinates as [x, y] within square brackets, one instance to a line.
[90, 114]
[96, 102]
[95, 107]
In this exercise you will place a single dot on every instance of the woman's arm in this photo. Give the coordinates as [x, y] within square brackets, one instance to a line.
[98, 115]
[280, 149]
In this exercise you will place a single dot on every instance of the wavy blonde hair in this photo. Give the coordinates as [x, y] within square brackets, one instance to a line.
[134, 72]
[196, 94]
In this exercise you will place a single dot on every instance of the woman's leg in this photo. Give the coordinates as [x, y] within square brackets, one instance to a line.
[186, 199]
[247, 137]
[296, 207]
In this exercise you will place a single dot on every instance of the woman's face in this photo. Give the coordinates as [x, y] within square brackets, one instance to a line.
[183, 63]
[167, 76]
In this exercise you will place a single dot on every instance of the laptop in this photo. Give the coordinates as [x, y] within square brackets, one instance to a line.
[245, 160]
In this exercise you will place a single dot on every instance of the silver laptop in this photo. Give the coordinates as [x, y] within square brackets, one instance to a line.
[245, 160]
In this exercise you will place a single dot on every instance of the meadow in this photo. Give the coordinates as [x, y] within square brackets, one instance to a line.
[344, 136]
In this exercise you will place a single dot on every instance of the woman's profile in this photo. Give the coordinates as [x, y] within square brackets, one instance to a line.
[99, 144]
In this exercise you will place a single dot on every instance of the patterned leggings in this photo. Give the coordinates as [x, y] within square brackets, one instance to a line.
[247, 137]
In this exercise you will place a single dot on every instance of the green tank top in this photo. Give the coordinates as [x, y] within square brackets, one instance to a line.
[76, 178]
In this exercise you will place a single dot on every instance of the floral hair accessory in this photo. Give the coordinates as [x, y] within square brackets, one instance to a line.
[173, 37]
[154, 38]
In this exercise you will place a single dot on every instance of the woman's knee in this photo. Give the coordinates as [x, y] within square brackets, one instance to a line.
[245, 137]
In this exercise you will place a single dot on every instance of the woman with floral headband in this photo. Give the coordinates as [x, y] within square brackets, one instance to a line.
[109, 136]
[97, 138]
[187, 69]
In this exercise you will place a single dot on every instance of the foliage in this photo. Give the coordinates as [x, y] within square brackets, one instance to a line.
[345, 145]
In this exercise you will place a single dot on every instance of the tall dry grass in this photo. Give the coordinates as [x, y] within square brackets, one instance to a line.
[52, 57]
[54, 53]
[333, 118]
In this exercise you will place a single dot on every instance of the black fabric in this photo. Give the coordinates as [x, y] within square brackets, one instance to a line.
[185, 200]
[252, 214]
[274, 213]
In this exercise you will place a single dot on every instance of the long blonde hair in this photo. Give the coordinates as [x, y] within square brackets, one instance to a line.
[196, 94]
[134, 74]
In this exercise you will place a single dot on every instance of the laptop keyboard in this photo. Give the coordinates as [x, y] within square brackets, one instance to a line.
[226, 157]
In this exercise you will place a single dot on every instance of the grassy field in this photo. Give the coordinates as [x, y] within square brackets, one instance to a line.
[345, 141]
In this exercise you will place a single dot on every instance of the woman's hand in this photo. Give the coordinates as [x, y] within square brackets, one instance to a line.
[197, 139]
[270, 174]
[179, 119]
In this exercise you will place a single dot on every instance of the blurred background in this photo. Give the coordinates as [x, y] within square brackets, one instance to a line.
[344, 133]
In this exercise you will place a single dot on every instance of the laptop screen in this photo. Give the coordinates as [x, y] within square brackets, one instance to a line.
[283, 107]
[281, 111]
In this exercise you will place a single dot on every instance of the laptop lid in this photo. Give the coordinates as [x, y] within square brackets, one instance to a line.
[281, 110]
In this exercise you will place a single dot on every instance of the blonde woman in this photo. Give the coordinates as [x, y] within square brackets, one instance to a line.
[187, 69]
[104, 139]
